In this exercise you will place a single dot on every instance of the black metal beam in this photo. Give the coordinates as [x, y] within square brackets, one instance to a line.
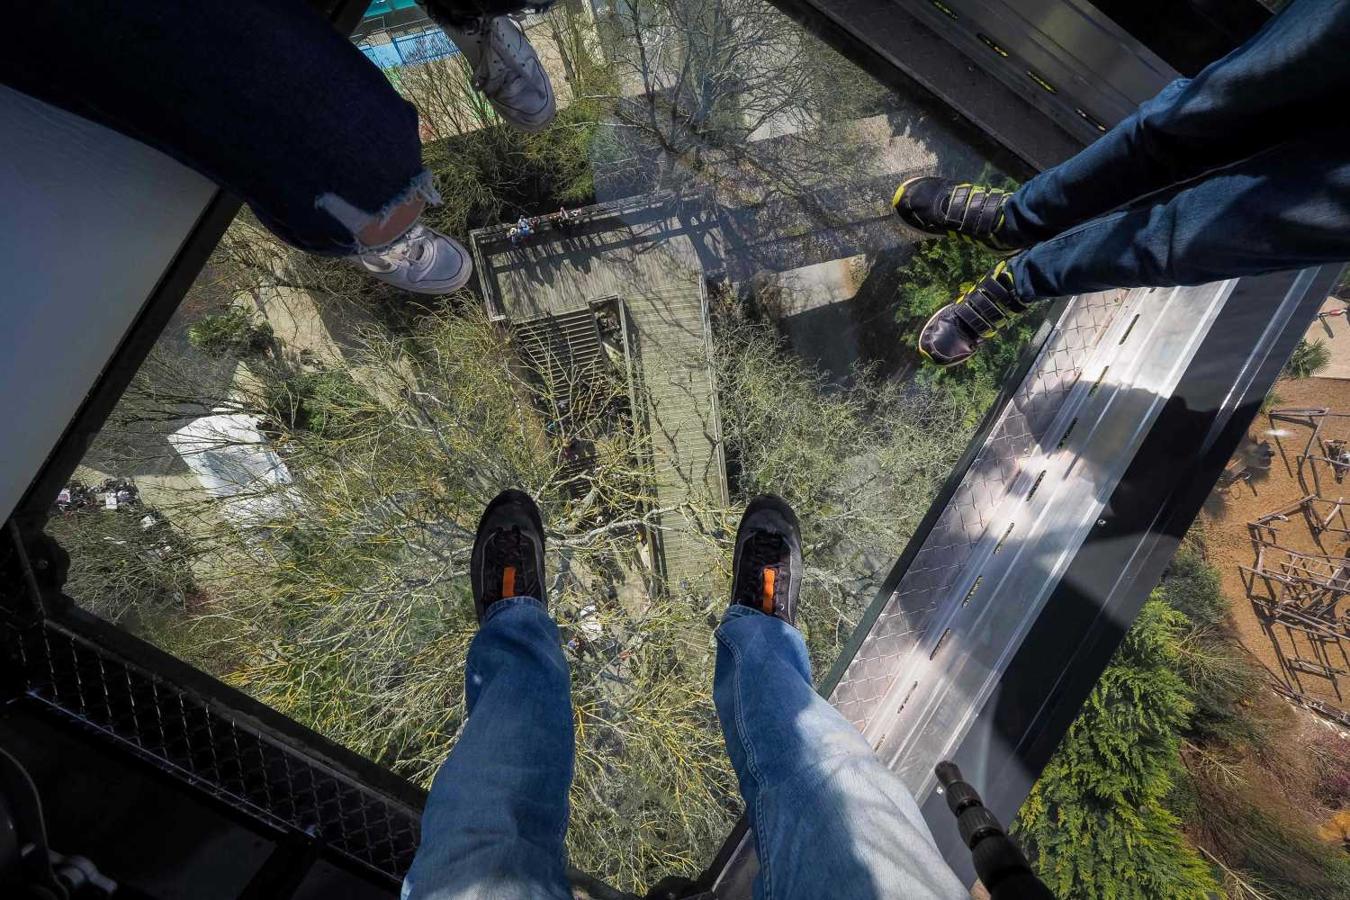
[1188, 34]
[282, 873]
[907, 56]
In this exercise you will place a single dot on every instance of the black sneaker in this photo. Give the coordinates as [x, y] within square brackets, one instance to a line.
[953, 334]
[766, 571]
[942, 206]
[508, 552]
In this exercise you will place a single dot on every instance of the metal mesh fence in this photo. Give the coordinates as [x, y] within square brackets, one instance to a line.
[213, 750]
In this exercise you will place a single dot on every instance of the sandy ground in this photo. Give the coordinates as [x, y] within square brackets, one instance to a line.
[1230, 544]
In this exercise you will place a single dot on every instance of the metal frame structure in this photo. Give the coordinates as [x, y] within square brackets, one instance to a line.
[1301, 595]
[1309, 584]
[900, 50]
[1322, 455]
[318, 800]
[1263, 528]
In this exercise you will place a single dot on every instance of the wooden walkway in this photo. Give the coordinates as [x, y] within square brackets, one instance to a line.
[651, 260]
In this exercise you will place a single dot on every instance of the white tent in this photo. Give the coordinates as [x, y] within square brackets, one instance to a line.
[235, 464]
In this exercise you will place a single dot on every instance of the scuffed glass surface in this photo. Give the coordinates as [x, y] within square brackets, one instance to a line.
[287, 495]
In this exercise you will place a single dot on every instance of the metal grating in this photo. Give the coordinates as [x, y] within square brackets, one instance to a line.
[937, 566]
[561, 346]
[213, 750]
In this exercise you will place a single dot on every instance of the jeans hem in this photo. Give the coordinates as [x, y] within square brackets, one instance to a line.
[510, 603]
[1020, 285]
[739, 611]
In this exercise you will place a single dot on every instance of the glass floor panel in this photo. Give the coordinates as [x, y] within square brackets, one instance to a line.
[287, 495]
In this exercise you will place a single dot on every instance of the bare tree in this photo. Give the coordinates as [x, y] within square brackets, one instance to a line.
[734, 95]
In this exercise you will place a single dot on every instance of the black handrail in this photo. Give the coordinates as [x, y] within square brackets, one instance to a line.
[1002, 867]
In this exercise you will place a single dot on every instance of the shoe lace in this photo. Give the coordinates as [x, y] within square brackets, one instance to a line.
[512, 69]
[762, 550]
[409, 248]
[510, 548]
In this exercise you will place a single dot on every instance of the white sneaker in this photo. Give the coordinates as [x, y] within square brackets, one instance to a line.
[506, 69]
[422, 261]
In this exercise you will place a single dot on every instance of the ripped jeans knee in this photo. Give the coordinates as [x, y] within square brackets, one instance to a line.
[356, 221]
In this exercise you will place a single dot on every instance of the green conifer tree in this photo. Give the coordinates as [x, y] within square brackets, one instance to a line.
[1096, 824]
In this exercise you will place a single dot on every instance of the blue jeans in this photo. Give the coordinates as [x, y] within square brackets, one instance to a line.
[1243, 169]
[263, 97]
[829, 819]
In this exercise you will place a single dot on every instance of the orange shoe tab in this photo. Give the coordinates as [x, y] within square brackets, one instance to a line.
[508, 582]
[766, 601]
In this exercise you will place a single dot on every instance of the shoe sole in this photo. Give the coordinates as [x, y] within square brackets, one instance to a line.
[534, 128]
[510, 495]
[545, 117]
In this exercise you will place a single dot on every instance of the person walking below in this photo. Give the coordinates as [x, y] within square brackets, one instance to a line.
[268, 100]
[829, 819]
[1241, 170]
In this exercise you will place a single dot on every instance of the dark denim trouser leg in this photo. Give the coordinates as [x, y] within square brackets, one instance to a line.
[496, 816]
[263, 97]
[1286, 208]
[1288, 80]
[829, 819]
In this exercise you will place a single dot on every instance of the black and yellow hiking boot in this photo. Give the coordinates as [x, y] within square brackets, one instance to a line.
[508, 552]
[766, 571]
[942, 206]
[953, 334]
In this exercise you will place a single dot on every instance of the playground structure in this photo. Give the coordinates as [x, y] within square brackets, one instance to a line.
[1322, 516]
[1325, 459]
[1300, 595]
